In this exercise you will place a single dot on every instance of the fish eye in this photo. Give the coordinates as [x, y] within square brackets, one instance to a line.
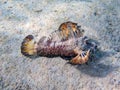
[83, 30]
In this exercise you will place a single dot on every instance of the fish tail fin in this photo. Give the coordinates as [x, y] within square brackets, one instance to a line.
[28, 47]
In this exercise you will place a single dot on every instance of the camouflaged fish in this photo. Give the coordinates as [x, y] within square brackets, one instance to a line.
[68, 41]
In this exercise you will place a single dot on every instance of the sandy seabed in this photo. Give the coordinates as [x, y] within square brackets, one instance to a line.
[99, 18]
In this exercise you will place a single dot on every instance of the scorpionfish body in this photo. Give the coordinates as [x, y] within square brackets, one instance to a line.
[63, 42]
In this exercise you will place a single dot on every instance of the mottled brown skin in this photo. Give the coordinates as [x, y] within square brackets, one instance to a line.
[64, 45]
[54, 48]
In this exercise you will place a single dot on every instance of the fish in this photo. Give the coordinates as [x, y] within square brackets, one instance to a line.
[63, 42]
